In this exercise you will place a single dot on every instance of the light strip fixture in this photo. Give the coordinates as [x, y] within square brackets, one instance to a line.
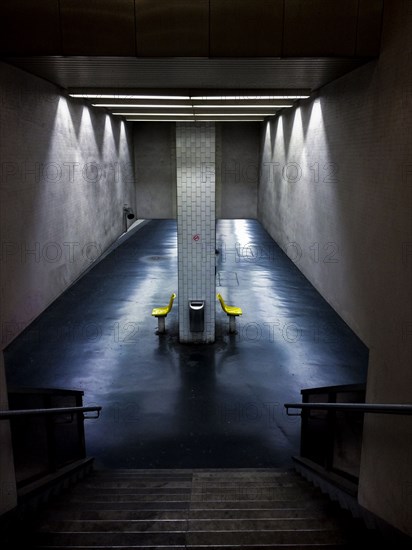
[247, 97]
[126, 96]
[157, 107]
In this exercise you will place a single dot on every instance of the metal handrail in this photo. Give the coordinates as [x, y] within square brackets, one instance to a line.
[405, 409]
[7, 415]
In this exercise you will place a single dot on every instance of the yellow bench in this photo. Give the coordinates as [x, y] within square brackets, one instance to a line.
[232, 312]
[161, 314]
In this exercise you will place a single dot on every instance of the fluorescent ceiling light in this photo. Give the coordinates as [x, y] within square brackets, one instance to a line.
[236, 114]
[154, 114]
[140, 105]
[194, 115]
[195, 120]
[185, 97]
[247, 97]
[235, 106]
[170, 106]
[124, 96]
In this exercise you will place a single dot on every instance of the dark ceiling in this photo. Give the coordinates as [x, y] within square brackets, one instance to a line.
[190, 43]
[126, 72]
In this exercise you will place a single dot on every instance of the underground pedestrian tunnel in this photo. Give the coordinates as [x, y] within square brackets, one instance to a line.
[258, 151]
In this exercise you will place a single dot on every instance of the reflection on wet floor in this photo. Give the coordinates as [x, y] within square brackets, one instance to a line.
[187, 406]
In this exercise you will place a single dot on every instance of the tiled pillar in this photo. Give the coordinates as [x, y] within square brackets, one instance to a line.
[195, 163]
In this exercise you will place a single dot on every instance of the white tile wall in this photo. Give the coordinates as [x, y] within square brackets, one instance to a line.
[195, 164]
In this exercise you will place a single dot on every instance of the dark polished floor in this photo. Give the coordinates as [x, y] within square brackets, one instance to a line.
[172, 405]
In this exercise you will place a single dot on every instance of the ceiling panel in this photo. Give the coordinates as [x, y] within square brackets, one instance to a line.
[243, 28]
[30, 27]
[98, 27]
[177, 28]
[191, 28]
[369, 27]
[121, 72]
[320, 27]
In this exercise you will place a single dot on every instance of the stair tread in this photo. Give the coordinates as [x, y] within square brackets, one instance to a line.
[314, 536]
[176, 509]
[89, 515]
[192, 505]
[300, 546]
[261, 524]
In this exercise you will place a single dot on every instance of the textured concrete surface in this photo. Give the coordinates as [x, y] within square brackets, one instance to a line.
[167, 404]
[155, 166]
[237, 169]
[207, 508]
[66, 170]
[336, 195]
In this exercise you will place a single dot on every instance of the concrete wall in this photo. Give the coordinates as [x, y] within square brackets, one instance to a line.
[66, 171]
[237, 169]
[335, 193]
[155, 161]
[196, 239]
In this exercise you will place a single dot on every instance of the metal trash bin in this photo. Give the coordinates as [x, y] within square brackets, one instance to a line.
[197, 315]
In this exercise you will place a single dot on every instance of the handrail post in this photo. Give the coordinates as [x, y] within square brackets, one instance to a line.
[330, 431]
[80, 428]
[50, 437]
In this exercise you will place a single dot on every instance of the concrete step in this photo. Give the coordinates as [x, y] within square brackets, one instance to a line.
[313, 536]
[155, 490]
[132, 526]
[204, 473]
[74, 513]
[239, 492]
[182, 483]
[206, 506]
[138, 485]
[124, 505]
[198, 509]
[204, 494]
[114, 476]
[110, 539]
[205, 538]
[301, 546]
[245, 504]
[252, 513]
[104, 526]
[90, 496]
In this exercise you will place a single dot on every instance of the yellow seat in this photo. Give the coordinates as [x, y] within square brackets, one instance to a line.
[163, 311]
[232, 312]
[161, 314]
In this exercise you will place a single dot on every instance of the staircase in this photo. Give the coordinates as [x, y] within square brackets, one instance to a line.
[177, 509]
